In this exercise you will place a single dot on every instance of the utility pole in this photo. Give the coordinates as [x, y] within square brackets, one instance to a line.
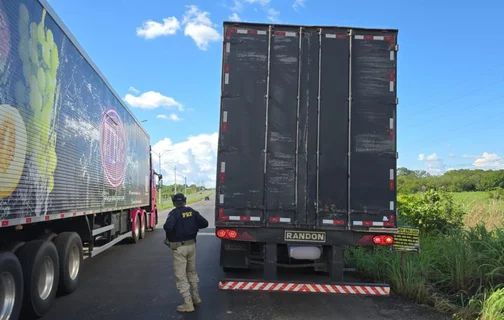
[185, 186]
[175, 177]
[160, 185]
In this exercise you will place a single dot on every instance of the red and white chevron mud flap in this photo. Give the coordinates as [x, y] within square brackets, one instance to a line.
[363, 289]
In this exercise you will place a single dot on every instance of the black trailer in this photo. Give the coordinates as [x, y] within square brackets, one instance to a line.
[307, 149]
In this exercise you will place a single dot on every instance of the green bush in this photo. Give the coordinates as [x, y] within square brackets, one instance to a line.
[432, 211]
[496, 194]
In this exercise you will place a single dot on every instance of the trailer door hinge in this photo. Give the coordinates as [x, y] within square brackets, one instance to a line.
[396, 48]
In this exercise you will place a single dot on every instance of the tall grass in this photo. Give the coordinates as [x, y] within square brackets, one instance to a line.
[458, 272]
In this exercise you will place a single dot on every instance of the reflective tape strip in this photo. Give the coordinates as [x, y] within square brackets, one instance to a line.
[363, 37]
[226, 73]
[391, 180]
[286, 34]
[279, 219]
[390, 39]
[392, 80]
[59, 216]
[222, 172]
[242, 218]
[392, 55]
[382, 290]
[246, 31]
[337, 222]
[221, 198]
[391, 205]
[336, 36]
[373, 224]
[224, 121]
[228, 47]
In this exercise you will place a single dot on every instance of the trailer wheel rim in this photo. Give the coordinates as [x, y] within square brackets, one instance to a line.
[74, 262]
[7, 295]
[46, 278]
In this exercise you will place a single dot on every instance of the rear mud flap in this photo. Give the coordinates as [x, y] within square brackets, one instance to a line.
[364, 289]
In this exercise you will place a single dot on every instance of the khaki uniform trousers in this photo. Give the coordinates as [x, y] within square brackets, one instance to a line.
[184, 267]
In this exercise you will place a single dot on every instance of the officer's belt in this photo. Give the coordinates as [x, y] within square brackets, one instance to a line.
[175, 245]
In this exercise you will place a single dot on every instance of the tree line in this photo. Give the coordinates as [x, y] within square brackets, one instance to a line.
[413, 181]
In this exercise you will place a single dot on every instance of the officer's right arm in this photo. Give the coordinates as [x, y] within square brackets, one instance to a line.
[170, 221]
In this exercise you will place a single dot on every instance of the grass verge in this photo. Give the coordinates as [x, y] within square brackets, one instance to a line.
[460, 272]
[192, 198]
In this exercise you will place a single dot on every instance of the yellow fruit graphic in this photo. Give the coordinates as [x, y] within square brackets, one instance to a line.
[13, 145]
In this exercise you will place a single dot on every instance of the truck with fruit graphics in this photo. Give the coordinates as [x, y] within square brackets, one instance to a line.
[76, 174]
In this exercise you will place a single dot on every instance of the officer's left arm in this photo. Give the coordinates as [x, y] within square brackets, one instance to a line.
[200, 220]
[170, 222]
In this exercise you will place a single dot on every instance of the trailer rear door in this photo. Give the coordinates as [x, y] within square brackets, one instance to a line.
[287, 125]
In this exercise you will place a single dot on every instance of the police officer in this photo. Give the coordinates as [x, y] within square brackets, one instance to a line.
[181, 227]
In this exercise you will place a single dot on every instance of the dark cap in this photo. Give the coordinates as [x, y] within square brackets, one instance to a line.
[178, 199]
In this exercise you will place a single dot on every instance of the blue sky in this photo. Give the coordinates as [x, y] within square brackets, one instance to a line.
[450, 70]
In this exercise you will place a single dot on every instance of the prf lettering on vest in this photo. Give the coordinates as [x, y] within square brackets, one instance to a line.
[187, 214]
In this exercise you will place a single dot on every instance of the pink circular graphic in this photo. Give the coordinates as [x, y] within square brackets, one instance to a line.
[113, 148]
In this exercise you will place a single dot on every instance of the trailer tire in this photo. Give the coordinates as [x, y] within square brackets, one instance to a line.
[48, 236]
[135, 233]
[143, 221]
[38, 257]
[70, 252]
[11, 286]
[13, 246]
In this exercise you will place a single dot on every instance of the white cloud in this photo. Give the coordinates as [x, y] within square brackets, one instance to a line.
[434, 164]
[195, 158]
[152, 100]
[298, 3]
[172, 117]
[489, 161]
[199, 27]
[234, 17]
[152, 29]
[238, 6]
[175, 117]
[452, 155]
[134, 90]
[273, 15]
[469, 156]
[261, 2]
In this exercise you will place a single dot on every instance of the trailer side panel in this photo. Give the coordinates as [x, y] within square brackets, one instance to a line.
[77, 148]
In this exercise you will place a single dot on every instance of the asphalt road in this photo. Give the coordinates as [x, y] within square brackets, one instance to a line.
[135, 281]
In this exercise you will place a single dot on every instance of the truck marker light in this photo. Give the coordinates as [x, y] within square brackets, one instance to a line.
[383, 240]
[232, 234]
[221, 233]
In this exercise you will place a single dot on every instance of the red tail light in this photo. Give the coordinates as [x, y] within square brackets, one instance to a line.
[226, 234]
[383, 240]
